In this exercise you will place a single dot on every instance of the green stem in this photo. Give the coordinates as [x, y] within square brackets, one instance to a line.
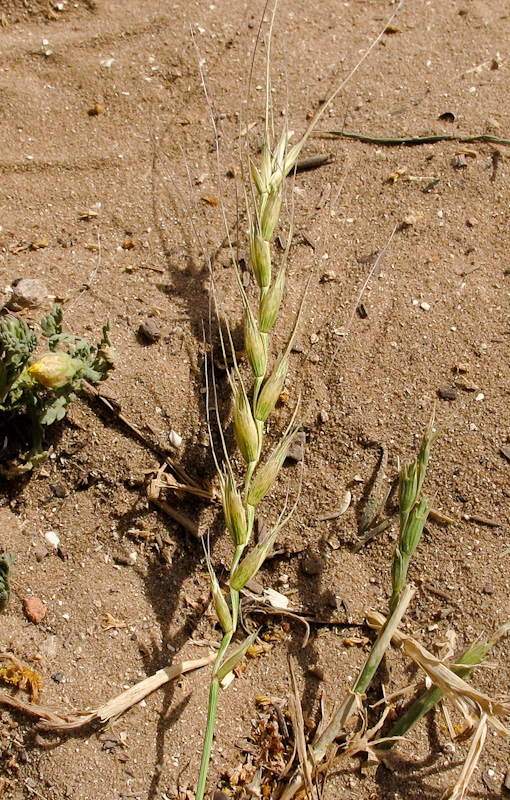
[349, 704]
[208, 738]
[364, 679]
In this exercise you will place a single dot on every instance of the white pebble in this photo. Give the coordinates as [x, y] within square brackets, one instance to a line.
[425, 306]
[52, 539]
[132, 558]
[480, 396]
[175, 439]
[107, 62]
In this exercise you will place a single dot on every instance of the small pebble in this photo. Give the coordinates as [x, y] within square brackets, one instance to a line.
[175, 439]
[447, 393]
[52, 539]
[313, 565]
[314, 358]
[149, 330]
[314, 338]
[459, 161]
[27, 293]
[35, 609]
[323, 415]
[297, 447]
[425, 306]
[472, 222]
[489, 781]
[488, 589]
[480, 396]
[318, 672]
[40, 551]
[58, 677]
[328, 276]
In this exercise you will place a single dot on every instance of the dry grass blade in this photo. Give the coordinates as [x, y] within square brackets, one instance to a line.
[469, 701]
[465, 697]
[50, 720]
[298, 722]
[461, 787]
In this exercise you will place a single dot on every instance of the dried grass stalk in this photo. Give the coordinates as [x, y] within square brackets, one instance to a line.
[461, 787]
[50, 720]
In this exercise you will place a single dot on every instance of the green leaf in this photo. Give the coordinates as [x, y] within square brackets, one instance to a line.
[56, 411]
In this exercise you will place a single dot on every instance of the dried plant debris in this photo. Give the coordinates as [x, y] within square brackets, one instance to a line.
[15, 672]
[267, 753]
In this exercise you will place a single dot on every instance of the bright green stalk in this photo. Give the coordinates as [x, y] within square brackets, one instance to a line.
[208, 738]
[413, 511]
[406, 545]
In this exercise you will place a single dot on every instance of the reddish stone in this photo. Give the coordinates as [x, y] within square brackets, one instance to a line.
[35, 609]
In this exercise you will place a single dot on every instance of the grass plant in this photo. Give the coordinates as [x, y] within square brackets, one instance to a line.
[414, 510]
[254, 399]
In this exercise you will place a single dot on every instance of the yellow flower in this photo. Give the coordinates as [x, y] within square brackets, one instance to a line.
[54, 370]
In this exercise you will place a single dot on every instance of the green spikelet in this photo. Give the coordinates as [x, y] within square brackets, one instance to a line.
[272, 388]
[245, 428]
[271, 301]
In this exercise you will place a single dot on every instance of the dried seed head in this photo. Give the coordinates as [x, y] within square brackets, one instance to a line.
[260, 253]
[54, 370]
[279, 159]
[245, 428]
[270, 214]
[270, 303]
[268, 473]
[272, 388]
[233, 660]
[292, 157]
[256, 350]
[233, 510]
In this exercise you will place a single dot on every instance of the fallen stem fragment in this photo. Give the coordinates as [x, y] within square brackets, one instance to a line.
[49, 720]
[409, 141]
[187, 479]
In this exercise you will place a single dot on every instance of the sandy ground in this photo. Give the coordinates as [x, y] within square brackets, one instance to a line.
[103, 111]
